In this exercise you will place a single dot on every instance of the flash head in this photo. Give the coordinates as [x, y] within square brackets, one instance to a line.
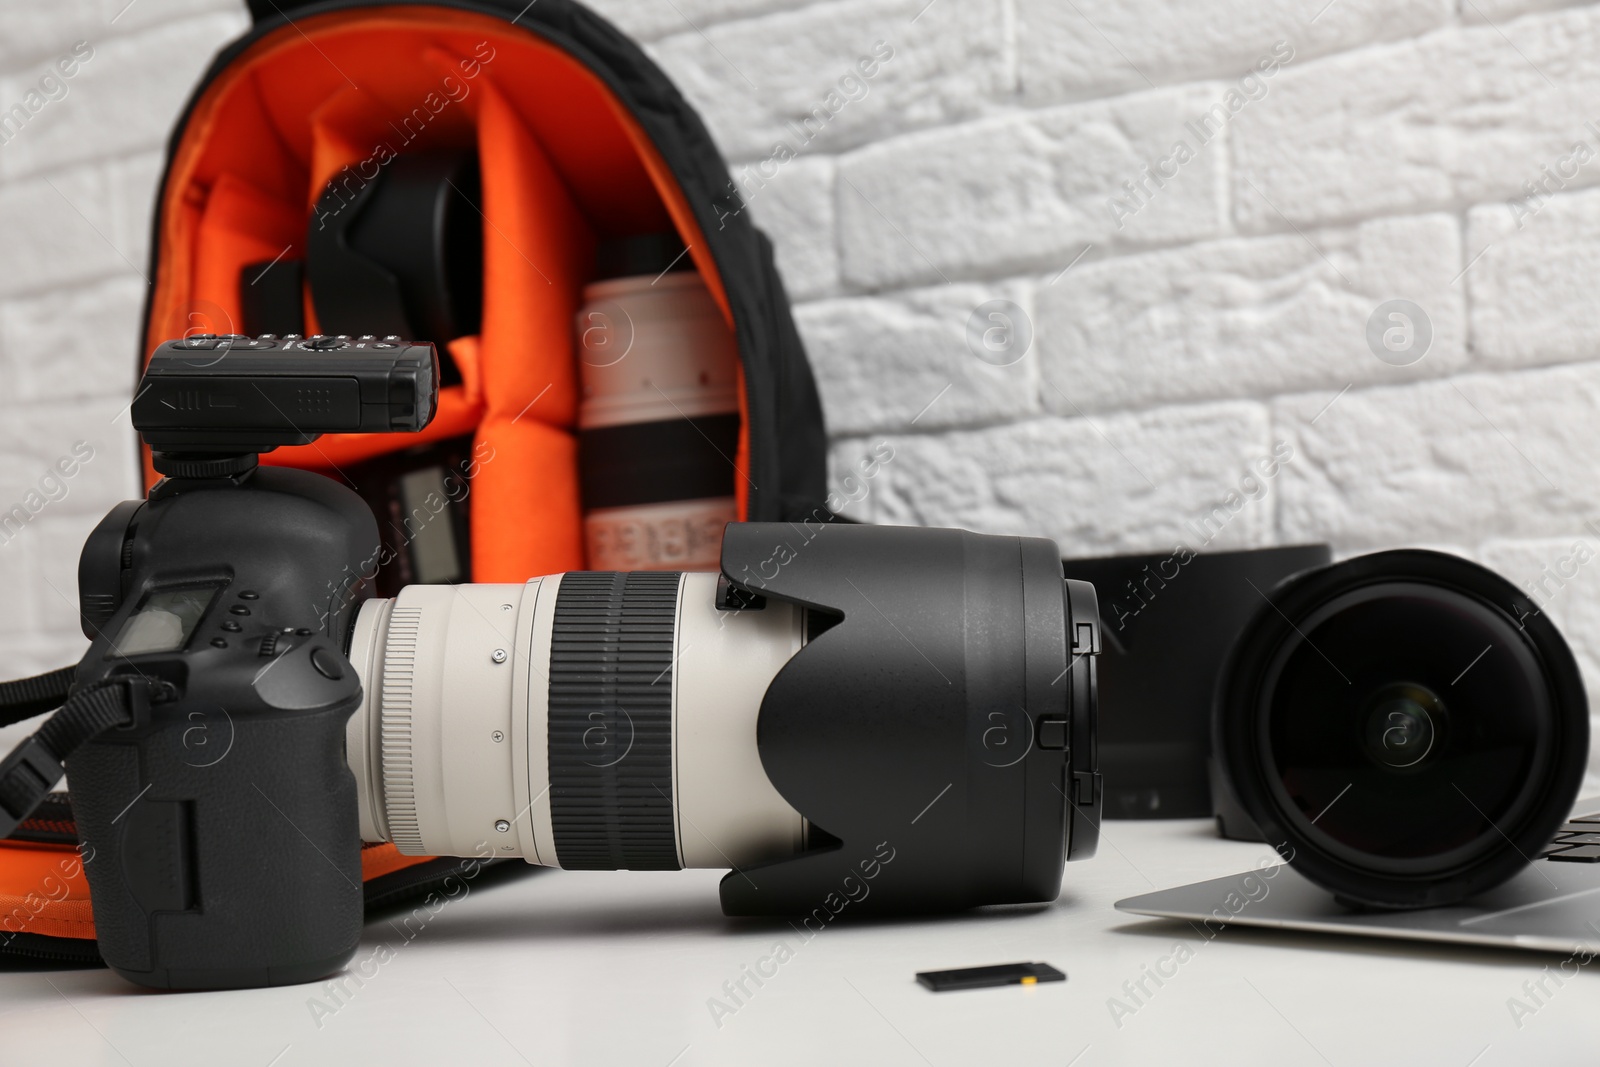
[221, 399]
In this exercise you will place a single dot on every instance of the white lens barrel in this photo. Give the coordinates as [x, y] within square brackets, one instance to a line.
[728, 810]
[655, 723]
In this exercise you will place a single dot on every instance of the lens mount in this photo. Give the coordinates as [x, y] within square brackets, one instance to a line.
[1405, 726]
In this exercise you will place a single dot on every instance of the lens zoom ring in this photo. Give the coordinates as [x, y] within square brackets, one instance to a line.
[398, 702]
[610, 717]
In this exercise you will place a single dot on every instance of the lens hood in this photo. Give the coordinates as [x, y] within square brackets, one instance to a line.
[1407, 728]
[947, 716]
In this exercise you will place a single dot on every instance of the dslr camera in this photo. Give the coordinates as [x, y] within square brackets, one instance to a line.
[903, 719]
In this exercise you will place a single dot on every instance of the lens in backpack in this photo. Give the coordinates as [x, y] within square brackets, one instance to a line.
[659, 418]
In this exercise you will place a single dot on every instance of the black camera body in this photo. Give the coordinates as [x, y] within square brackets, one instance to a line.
[227, 807]
[222, 822]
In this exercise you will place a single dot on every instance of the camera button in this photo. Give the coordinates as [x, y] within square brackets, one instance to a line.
[1052, 733]
[327, 664]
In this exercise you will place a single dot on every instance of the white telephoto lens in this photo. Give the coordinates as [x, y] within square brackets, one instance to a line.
[587, 720]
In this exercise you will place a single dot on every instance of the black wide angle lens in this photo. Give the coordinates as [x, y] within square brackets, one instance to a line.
[1406, 727]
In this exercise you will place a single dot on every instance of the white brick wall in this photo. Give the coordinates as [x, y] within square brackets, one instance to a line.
[76, 185]
[1183, 311]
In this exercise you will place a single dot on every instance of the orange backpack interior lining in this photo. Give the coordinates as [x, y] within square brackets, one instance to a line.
[563, 164]
[47, 892]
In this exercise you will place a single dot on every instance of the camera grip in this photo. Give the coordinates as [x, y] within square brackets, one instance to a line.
[214, 836]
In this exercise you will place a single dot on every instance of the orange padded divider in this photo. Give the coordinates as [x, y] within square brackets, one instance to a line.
[563, 162]
[537, 252]
[241, 225]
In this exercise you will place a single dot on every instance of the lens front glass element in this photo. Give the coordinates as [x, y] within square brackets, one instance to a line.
[1402, 725]
[1402, 722]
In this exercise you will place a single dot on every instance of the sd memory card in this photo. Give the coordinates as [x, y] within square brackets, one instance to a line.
[984, 977]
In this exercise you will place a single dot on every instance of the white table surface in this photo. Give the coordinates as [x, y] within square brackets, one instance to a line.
[618, 968]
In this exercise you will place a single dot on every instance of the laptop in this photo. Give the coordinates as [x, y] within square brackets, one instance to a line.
[1552, 905]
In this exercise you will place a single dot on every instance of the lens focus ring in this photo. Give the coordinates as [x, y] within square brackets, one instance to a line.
[399, 703]
[610, 721]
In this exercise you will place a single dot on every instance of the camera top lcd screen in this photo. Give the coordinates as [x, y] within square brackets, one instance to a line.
[164, 621]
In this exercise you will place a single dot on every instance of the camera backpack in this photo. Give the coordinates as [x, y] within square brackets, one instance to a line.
[579, 138]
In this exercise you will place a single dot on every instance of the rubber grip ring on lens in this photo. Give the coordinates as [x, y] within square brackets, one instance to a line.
[399, 771]
[610, 721]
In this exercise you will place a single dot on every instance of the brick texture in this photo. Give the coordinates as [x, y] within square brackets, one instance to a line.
[886, 68]
[1051, 477]
[1069, 51]
[1238, 317]
[907, 361]
[1026, 190]
[1452, 118]
[1532, 281]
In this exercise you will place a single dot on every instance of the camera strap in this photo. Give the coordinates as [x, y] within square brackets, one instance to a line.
[35, 766]
[27, 697]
